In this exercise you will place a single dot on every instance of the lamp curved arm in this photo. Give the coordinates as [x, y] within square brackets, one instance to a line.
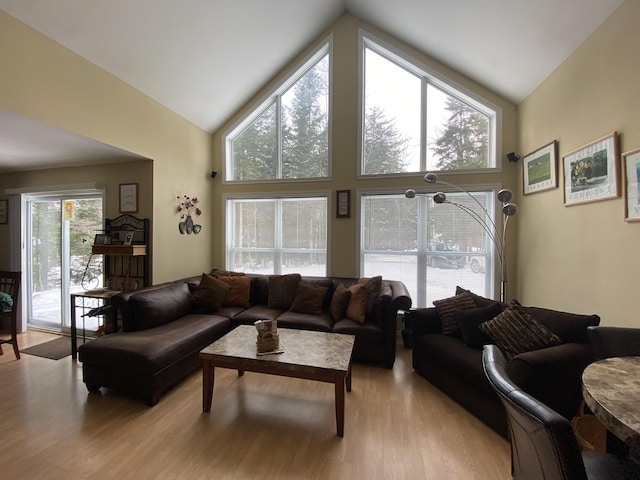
[497, 241]
[433, 178]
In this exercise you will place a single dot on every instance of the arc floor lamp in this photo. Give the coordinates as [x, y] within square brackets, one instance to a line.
[498, 236]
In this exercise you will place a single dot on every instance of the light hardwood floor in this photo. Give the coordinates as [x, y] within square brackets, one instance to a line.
[397, 426]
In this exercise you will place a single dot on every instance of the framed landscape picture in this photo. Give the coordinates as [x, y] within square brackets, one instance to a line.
[591, 172]
[632, 182]
[540, 169]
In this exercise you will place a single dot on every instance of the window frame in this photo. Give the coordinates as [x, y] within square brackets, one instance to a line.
[227, 206]
[274, 96]
[427, 75]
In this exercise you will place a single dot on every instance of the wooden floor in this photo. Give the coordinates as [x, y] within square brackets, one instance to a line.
[397, 426]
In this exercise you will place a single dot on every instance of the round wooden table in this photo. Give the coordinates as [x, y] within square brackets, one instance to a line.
[611, 389]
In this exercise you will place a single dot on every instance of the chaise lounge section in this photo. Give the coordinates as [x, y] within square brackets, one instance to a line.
[164, 327]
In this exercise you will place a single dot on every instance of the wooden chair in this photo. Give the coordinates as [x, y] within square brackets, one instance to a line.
[10, 284]
[543, 445]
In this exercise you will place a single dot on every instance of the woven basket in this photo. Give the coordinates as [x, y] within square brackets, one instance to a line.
[590, 433]
[268, 344]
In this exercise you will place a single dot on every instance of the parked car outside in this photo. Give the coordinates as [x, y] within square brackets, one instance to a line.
[477, 264]
[441, 255]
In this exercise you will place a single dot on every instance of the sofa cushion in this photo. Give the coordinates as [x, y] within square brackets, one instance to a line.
[240, 289]
[209, 293]
[309, 298]
[282, 290]
[570, 327]
[357, 306]
[447, 309]
[470, 320]
[305, 321]
[515, 331]
[373, 285]
[339, 302]
[367, 332]
[254, 313]
[156, 307]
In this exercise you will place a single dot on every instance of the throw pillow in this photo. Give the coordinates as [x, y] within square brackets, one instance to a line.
[469, 320]
[240, 288]
[515, 331]
[217, 272]
[357, 307]
[373, 284]
[210, 293]
[282, 290]
[309, 298]
[339, 302]
[448, 311]
[479, 300]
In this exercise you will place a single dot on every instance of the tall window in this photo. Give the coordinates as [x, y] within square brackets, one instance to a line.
[413, 121]
[277, 235]
[287, 137]
[431, 247]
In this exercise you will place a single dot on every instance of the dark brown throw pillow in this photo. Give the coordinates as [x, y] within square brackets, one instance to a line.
[448, 311]
[210, 293]
[373, 284]
[515, 331]
[240, 289]
[282, 290]
[339, 302]
[309, 298]
[469, 320]
[357, 307]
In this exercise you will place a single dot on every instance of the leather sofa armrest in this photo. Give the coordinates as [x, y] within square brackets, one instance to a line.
[424, 321]
[400, 300]
[553, 375]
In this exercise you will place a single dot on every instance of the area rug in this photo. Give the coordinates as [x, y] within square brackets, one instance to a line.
[53, 349]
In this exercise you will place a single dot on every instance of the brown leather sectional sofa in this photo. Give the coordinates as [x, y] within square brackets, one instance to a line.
[551, 375]
[163, 332]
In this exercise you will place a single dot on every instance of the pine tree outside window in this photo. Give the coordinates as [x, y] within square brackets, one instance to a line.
[413, 120]
[287, 136]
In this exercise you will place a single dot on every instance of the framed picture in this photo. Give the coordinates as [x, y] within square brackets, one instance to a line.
[128, 197]
[4, 212]
[128, 239]
[631, 162]
[540, 169]
[591, 172]
[343, 203]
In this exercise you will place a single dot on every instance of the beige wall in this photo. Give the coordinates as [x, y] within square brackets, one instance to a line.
[583, 258]
[343, 259]
[44, 81]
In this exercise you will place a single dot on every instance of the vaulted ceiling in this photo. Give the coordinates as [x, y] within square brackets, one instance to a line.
[204, 58]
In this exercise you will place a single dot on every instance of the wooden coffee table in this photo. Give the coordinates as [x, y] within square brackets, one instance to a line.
[319, 356]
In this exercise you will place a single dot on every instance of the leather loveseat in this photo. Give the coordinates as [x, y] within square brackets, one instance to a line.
[163, 330]
[551, 375]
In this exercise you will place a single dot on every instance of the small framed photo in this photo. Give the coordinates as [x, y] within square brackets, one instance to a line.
[128, 239]
[4, 212]
[631, 162]
[540, 169]
[591, 172]
[343, 203]
[128, 197]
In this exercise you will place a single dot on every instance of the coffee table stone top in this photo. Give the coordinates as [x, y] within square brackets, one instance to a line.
[303, 350]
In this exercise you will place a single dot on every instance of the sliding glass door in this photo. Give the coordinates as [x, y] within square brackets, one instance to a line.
[60, 232]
